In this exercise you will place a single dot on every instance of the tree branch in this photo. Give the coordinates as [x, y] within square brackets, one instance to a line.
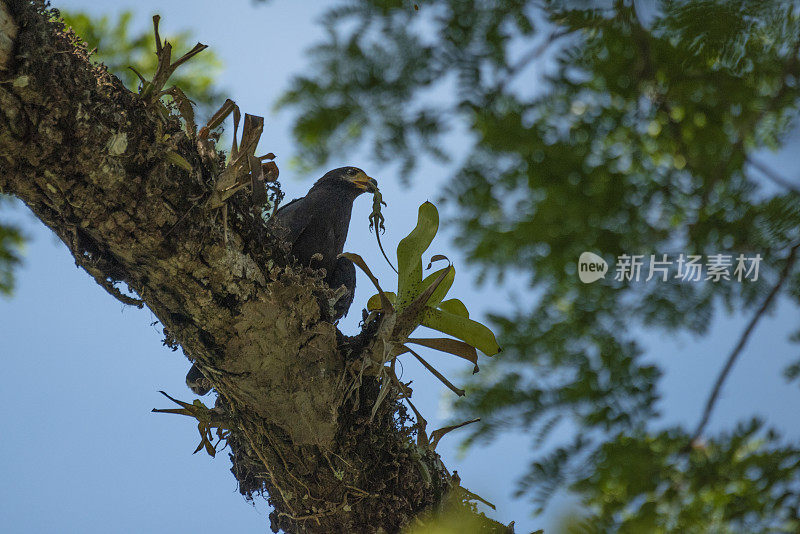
[91, 160]
[8, 34]
[734, 355]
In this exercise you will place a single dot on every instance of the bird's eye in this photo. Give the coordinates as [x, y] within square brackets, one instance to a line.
[352, 172]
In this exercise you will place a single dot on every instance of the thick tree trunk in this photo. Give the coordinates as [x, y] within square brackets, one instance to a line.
[88, 157]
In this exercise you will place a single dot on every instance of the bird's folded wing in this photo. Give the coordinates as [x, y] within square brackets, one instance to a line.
[344, 274]
[291, 220]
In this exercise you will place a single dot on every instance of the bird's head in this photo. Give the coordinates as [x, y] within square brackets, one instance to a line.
[352, 179]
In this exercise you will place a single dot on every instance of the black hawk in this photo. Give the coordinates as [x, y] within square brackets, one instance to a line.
[316, 226]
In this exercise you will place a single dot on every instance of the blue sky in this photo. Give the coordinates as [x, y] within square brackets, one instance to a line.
[82, 451]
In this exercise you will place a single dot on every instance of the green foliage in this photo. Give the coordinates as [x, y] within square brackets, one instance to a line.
[418, 301]
[119, 47]
[409, 253]
[742, 481]
[639, 138]
[11, 242]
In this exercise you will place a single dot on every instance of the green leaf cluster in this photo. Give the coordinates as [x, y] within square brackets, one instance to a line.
[447, 316]
[11, 243]
[741, 481]
[421, 301]
[643, 133]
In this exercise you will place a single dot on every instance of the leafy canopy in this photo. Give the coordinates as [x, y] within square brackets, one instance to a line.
[120, 47]
[641, 135]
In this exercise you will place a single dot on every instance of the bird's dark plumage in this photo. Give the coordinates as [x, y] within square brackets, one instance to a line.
[318, 222]
[316, 225]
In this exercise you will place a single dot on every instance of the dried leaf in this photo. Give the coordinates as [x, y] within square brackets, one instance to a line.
[178, 160]
[221, 114]
[359, 261]
[271, 171]
[437, 435]
[251, 133]
[185, 108]
[257, 182]
[437, 374]
[385, 385]
[437, 257]
[451, 346]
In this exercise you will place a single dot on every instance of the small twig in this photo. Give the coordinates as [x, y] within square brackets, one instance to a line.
[156, 19]
[734, 355]
[199, 47]
[288, 469]
[437, 435]
[266, 465]
[475, 497]
[315, 516]
[362, 492]
[119, 295]
[181, 218]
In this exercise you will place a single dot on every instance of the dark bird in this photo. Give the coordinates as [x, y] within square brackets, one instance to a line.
[316, 226]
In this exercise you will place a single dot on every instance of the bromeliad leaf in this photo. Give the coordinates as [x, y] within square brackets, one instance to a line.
[454, 306]
[452, 346]
[437, 374]
[409, 317]
[421, 301]
[437, 435]
[410, 250]
[463, 328]
[386, 306]
[440, 292]
[374, 302]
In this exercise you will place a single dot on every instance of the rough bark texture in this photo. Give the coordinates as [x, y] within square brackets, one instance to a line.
[88, 157]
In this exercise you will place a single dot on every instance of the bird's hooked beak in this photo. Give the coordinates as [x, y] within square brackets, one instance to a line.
[362, 181]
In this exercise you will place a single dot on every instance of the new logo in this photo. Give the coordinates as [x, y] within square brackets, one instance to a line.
[591, 267]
